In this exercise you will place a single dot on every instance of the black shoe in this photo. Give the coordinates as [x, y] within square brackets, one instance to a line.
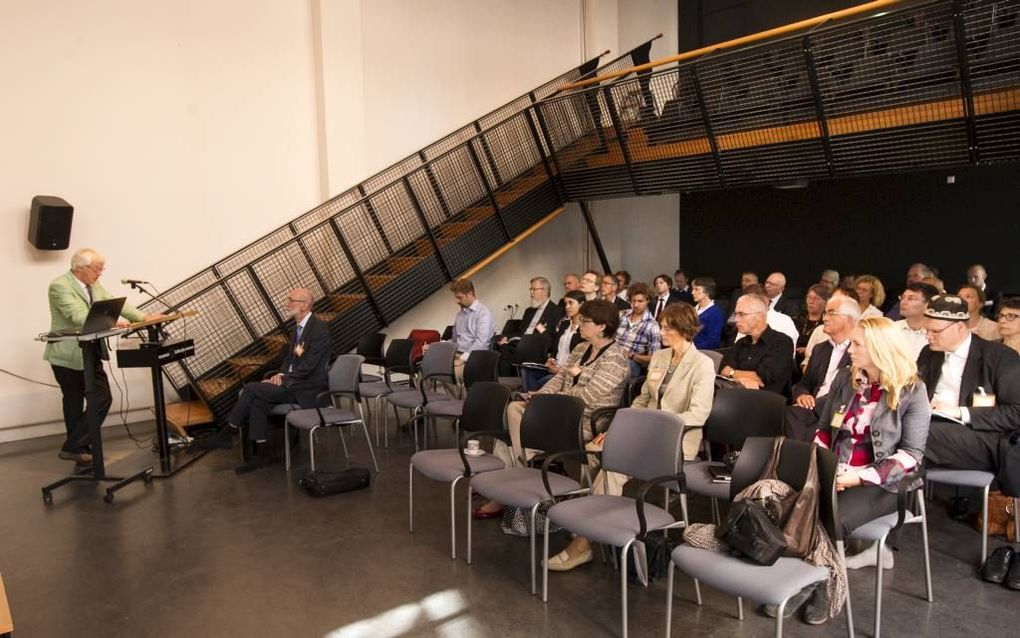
[816, 612]
[959, 508]
[1013, 577]
[792, 605]
[259, 460]
[998, 564]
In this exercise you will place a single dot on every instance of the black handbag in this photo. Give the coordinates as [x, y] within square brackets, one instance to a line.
[326, 483]
[750, 530]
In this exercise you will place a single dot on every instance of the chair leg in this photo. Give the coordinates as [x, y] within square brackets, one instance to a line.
[343, 443]
[286, 444]
[740, 608]
[927, 555]
[840, 547]
[470, 520]
[683, 508]
[311, 446]
[410, 498]
[715, 511]
[878, 587]
[453, 517]
[697, 591]
[1016, 518]
[669, 596]
[531, 535]
[984, 525]
[368, 439]
[623, 585]
[779, 618]
[545, 561]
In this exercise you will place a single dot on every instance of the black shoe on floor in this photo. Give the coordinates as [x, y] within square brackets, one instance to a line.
[998, 564]
[816, 612]
[792, 605]
[259, 460]
[1013, 577]
[959, 508]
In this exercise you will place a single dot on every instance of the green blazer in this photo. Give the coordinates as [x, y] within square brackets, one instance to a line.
[69, 305]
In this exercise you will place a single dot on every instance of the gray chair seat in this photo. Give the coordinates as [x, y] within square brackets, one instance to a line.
[377, 389]
[521, 486]
[308, 419]
[876, 529]
[445, 407]
[283, 409]
[410, 399]
[606, 519]
[446, 465]
[699, 480]
[371, 378]
[769, 585]
[966, 478]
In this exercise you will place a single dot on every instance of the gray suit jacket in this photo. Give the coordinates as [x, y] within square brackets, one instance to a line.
[904, 428]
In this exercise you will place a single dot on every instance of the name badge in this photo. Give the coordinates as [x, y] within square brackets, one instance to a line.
[655, 375]
[982, 400]
[837, 418]
[574, 371]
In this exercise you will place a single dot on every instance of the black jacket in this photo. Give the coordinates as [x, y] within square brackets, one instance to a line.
[309, 375]
[990, 365]
[787, 306]
[560, 328]
[818, 365]
[550, 317]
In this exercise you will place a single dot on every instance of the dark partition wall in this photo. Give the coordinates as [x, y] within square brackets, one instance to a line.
[877, 225]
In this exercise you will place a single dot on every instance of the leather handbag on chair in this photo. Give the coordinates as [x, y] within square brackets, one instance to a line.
[1000, 516]
[800, 516]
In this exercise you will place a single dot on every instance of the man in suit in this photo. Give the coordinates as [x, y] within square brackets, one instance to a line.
[978, 276]
[541, 316]
[829, 357]
[974, 387]
[915, 274]
[608, 290]
[71, 295]
[301, 378]
[682, 289]
[775, 287]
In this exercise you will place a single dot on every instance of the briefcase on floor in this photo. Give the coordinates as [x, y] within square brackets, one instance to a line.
[325, 483]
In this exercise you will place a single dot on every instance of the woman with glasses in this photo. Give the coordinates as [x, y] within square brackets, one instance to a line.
[811, 318]
[565, 338]
[1008, 321]
[978, 324]
[875, 420]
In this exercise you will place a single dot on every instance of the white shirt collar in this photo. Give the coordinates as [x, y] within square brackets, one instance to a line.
[304, 321]
[841, 345]
[963, 349]
[707, 306]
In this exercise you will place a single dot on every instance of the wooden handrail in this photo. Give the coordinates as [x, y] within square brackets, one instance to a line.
[747, 39]
[516, 240]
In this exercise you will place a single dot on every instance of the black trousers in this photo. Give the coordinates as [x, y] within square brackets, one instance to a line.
[957, 447]
[506, 359]
[861, 504]
[801, 423]
[254, 405]
[72, 386]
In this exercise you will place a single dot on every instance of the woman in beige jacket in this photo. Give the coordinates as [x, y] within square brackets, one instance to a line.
[680, 379]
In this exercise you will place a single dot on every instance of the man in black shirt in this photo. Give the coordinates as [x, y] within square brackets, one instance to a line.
[763, 360]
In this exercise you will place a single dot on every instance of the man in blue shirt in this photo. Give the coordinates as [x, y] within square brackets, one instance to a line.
[473, 325]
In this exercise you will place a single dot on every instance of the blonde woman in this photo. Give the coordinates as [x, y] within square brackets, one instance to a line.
[875, 419]
[871, 295]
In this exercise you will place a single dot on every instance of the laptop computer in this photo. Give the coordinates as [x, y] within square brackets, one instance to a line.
[103, 315]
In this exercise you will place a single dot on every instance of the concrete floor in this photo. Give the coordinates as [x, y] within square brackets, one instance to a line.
[208, 553]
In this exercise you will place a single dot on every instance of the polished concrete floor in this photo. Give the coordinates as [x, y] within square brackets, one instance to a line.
[209, 553]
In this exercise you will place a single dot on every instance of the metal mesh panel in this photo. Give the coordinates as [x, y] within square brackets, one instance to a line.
[992, 31]
[397, 215]
[181, 292]
[453, 140]
[513, 147]
[427, 195]
[260, 316]
[253, 251]
[362, 236]
[218, 331]
[931, 145]
[324, 249]
[392, 174]
[324, 211]
[457, 178]
[283, 270]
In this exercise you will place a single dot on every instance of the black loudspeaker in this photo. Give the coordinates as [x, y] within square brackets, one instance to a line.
[49, 227]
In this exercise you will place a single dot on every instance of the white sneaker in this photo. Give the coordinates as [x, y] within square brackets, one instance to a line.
[869, 558]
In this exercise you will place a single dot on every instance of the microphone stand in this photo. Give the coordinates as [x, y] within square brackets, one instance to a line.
[154, 332]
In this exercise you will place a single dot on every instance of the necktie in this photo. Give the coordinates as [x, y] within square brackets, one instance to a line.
[297, 335]
[88, 289]
[659, 307]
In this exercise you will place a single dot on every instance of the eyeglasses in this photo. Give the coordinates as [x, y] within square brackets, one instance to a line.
[535, 289]
[932, 331]
[741, 315]
[1008, 317]
[585, 320]
[834, 313]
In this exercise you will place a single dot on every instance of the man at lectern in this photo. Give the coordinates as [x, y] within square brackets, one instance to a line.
[71, 295]
[302, 376]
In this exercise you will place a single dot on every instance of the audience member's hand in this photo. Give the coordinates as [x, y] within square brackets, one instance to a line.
[748, 379]
[847, 479]
[501, 341]
[750, 384]
[276, 379]
[524, 396]
[540, 328]
[801, 350]
[123, 324]
[945, 408]
[805, 401]
[595, 445]
[551, 364]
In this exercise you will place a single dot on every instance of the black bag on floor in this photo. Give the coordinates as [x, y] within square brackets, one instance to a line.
[325, 483]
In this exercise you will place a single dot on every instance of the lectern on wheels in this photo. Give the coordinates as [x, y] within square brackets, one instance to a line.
[90, 349]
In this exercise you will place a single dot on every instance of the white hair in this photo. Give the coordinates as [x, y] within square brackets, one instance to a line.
[847, 306]
[85, 257]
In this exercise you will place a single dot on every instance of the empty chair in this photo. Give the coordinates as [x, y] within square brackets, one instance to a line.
[531, 348]
[551, 423]
[436, 365]
[397, 360]
[980, 480]
[736, 415]
[370, 346]
[344, 378]
[643, 444]
[483, 410]
[773, 584]
[480, 368]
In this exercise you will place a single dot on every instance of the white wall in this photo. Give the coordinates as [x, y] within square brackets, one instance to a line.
[181, 131]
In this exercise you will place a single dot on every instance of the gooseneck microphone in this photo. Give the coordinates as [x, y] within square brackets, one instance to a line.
[133, 282]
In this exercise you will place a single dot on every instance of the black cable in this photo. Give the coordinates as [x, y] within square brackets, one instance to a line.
[18, 376]
[125, 402]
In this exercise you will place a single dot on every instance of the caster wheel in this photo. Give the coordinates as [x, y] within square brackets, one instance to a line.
[148, 477]
[108, 498]
[47, 498]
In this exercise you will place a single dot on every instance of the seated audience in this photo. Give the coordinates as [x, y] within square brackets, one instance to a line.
[876, 422]
[681, 380]
[681, 289]
[811, 318]
[935, 283]
[978, 324]
[570, 282]
[596, 373]
[540, 316]
[829, 278]
[590, 285]
[912, 304]
[664, 295]
[1008, 322]
[915, 274]
[974, 388]
[829, 357]
[775, 287]
[472, 326]
[818, 335]
[624, 279]
[776, 320]
[563, 339]
[978, 276]
[747, 278]
[764, 360]
[638, 334]
[870, 294]
[302, 376]
[608, 290]
[710, 317]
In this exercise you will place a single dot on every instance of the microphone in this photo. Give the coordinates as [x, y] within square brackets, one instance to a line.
[130, 282]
